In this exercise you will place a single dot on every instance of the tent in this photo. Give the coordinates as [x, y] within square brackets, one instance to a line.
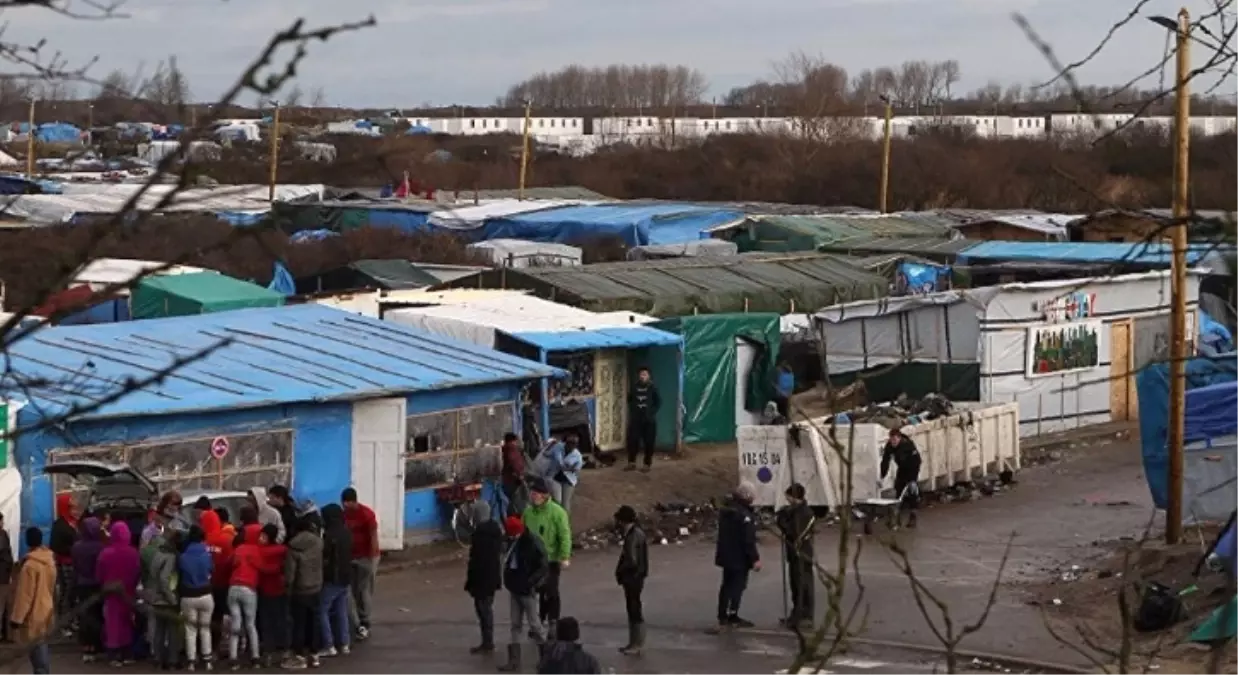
[379, 274]
[728, 371]
[202, 293]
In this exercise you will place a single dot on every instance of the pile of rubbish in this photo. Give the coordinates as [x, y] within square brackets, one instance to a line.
[670, 523]
[900, 412]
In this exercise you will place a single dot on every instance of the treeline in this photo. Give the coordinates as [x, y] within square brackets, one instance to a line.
[937, 170]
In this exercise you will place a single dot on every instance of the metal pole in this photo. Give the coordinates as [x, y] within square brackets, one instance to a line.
[274, 153]
[30, 143]
[1177, 334]
[524, 150]
[885, 160]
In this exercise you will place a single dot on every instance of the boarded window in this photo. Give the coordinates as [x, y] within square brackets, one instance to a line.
[460, 445]
[257, 459]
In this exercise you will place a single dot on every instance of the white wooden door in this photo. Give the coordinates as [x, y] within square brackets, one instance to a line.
[745, 358]
[378, 439]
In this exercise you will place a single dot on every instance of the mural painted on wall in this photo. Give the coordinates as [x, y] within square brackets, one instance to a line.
[254, 460]
[1067, 307]
[460, 445]
[1063, 348]
[579, 366]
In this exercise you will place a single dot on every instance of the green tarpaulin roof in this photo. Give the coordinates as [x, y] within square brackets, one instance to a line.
[202, 293]
[756, 283]
[807, 233]
[394, 274]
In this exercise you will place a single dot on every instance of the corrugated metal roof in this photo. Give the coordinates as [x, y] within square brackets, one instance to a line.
[248, 358]
[1052, 224]
[602, 338]
[1085, 252]
[964, 216]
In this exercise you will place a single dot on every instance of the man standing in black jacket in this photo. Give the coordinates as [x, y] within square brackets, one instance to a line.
[907, 477]
[336, 581]
[485, 572]
[795, 523]
[630, 572]
[525, 568]
[736, 554]
[643, 404]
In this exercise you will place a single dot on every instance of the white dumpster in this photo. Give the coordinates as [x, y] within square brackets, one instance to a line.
[978, 439]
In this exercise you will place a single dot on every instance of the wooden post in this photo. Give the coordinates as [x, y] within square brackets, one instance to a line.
[1178, 232]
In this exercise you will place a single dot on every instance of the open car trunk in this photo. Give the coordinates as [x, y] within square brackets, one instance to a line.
[116, 489]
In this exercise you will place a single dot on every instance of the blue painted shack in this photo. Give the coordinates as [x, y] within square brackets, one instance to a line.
[307, 396]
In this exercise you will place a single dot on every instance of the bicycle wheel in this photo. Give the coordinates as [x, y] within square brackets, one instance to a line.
[462, 524]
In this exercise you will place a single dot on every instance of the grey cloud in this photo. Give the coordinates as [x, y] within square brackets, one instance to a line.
[468, 51]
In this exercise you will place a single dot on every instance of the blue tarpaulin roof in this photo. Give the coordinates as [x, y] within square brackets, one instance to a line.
[601, 338]
[636, 224]
[276, 356]
[1084, 252]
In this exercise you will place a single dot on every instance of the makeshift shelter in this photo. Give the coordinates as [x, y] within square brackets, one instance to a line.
[304, 396]
[202, 293]
[376, 274]
[728, 372]
[689, 249]
[1210, 433]
[634, 224]
[809, 233]
[517, 253]
[601, 353]
[663, 288]
[1065, 351]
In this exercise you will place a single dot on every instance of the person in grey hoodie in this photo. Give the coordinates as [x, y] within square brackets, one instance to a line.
[159, 590]
[267, 514]
[303, 574]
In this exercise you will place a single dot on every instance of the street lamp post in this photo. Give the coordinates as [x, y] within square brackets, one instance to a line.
[883, 196]
[1178, 238]
[274, 152]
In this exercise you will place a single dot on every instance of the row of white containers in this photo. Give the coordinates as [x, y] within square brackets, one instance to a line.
[978, 439]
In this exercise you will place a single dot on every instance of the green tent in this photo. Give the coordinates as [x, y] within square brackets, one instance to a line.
[710, 372]
[200, 293]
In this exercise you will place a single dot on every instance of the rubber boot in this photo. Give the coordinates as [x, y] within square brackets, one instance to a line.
[513, 660]
[636, 640]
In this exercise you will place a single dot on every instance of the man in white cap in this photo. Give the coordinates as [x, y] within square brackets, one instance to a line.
[736, 553]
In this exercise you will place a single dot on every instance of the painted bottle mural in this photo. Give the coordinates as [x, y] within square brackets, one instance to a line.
[1067, 348]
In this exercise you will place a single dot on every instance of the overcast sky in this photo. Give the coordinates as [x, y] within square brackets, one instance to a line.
[469, 51]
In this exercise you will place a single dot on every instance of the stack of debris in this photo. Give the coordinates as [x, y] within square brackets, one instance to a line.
[900, 412]
[671, 523]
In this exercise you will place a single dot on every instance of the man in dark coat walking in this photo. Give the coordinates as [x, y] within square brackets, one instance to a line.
[485, 572]
[643, 404]
[795, 524]
[736, 553]
[630, 572]
[907, 477]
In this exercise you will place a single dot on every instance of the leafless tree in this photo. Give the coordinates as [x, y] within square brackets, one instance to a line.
[628, 88]
[318, 97]
[293, 97]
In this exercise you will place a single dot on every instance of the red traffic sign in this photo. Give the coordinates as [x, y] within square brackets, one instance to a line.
[220, 447]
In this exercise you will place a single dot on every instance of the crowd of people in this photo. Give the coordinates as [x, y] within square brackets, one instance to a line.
[285, 586]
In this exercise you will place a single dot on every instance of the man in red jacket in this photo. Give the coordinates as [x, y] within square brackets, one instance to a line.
[243, 595]
[513, 475]
[363, 524]
[272, 597]
[219, 544]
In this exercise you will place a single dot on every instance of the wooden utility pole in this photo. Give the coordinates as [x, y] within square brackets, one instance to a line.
[885, 158]
[30, 132]
[274, 153]
[524, 148]
[1178, 236]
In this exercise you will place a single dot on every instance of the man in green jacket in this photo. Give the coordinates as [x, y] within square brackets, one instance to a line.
[549, 523]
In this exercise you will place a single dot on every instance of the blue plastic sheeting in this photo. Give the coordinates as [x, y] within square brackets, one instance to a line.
[635, 224]
[1214, 336]
[282, 281]
[400, 219]
[1084, 252]
[601, 338]
[1211, 412]
[923, 279]
[108, 311]
[244, 358]
[241, 218]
